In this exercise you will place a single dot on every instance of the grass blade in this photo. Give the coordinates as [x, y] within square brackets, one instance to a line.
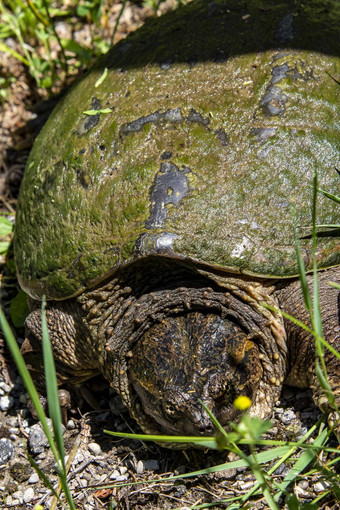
[27, 379]
[52, 388]
[335, 198]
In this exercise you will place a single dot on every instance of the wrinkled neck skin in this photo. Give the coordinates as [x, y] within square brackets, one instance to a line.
[170, 337]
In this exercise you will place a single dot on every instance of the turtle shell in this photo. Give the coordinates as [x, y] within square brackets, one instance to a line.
[197, 146]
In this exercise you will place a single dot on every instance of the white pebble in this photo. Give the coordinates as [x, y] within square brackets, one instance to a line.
[94, 448]
[6, 403]
[18, 495]
[28, 495]
[140, 467]
[34, 478]
[5, 387]
[321, 486]
[123, 470]
[245, 485]
[299, 492]
[114, 475]
[70, 425]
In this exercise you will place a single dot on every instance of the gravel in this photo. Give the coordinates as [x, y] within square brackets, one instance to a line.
[97, 461]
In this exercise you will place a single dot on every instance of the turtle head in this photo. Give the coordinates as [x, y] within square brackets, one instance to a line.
[185, 360]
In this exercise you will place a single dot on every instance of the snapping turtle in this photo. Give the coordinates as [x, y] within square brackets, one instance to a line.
[158, 225]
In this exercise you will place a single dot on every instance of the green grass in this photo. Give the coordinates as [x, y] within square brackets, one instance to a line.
[55, 437]
[32, 24]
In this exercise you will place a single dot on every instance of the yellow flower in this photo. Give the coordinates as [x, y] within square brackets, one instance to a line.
[242, 403]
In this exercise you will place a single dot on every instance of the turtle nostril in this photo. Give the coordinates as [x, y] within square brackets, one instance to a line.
[206, 429]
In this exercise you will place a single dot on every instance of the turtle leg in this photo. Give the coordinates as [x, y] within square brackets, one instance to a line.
[301, 345]
[73, 349]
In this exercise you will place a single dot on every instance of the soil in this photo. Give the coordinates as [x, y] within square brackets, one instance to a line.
[105, 472]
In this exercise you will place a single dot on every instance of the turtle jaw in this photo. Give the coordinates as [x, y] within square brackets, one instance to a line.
[194, 420]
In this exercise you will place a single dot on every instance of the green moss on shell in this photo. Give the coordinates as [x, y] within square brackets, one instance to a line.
[86, 195]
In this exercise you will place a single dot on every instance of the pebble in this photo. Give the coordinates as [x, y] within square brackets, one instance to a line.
[23, 398]
[37, 441]
[70, 425]
[287, 417]
[117, 476]
[6, 388]
[6, 402]
[34, 478]
[94, 448]
[28, 495]
[12, 502]
[18, 495]
[6, 450]
[245, 485]
[12, 421]
[303, 484]
[151, 465]
[299, 492]
[139, 467]
[321, 486]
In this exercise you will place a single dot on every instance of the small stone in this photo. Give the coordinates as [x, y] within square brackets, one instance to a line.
[23, 398]
[287, 417]
[9, 500]
[95, 449]
[12, 421]
[28, 495]
[37, 441]
[6, 403]
[71, 425]
[299, 492]
[34, 478]
[151, 465]
[139, 467]
[303, 484]
[321, 486]
[245, 486]
[123, 470]
[179, 491]
[122, 478]
[5, 387]
[18, 495]
[114, 475]
[6, 450]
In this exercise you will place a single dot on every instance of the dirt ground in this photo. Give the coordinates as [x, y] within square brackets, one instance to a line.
[105, 472]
